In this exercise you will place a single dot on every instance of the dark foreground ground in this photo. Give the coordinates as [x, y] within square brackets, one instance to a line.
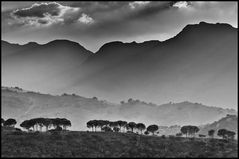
[110, 144]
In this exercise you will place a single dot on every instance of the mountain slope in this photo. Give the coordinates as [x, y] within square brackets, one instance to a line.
[22, 105]
[198, 64]
[230, 122]
[41, 67]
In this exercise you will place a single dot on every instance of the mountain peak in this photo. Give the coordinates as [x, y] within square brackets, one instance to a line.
[207, 26]
[62, 41]
[32, 44]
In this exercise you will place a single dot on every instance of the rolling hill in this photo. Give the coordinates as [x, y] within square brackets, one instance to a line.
[230, 122]
[21, 105]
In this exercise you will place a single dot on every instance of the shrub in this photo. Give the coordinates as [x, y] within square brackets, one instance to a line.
[163, 136]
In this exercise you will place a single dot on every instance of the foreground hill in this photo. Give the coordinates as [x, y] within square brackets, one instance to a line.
[21, 105]
[88, 144]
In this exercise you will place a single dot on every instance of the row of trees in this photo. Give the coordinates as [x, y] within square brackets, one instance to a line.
[132, 101]
[105, 125]
[192, 130]
[120, 126]
[34, 124]
[226, 134]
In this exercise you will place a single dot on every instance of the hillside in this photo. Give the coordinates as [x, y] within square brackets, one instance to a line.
[230, 122]
[88, 144]
[199, 64]
[33, 65]
[21, 105]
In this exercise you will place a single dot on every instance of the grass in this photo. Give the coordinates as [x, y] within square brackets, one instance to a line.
[110, 144]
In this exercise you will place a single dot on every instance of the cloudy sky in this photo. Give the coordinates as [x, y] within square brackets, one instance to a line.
[94, 23]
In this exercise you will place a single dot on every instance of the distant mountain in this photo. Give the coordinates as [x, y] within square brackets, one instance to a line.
[230, 122]
[8, 48]
[199, 64]
[45, 66]
[22, 105]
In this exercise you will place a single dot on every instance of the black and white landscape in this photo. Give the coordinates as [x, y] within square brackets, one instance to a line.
[73, 71]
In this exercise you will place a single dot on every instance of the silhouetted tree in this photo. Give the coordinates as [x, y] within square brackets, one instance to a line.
[65, 123]
[10, 122]
[130, 100]
[193, 130]
[211, 133]
[226, 134]
[121, 124]
[152, 128]
[32, 123]
[189, 130]
[184, 130]
[140, 127]
[231, 135]
[90, 124]
[95, 98]
[222, 133]
[146, 132]
[26, 125]
[131, 125]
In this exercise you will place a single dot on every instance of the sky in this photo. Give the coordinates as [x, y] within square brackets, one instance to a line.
[93, 24]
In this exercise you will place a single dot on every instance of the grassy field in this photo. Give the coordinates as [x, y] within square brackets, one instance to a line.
[110, 144]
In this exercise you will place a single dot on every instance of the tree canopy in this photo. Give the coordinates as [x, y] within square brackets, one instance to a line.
[152, 128]
[10, 122]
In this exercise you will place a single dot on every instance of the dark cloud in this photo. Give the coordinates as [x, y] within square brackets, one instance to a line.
[40, 14]
[39, 10]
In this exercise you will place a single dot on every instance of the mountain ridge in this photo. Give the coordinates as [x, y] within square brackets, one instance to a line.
[185, 67]
[187, 27]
